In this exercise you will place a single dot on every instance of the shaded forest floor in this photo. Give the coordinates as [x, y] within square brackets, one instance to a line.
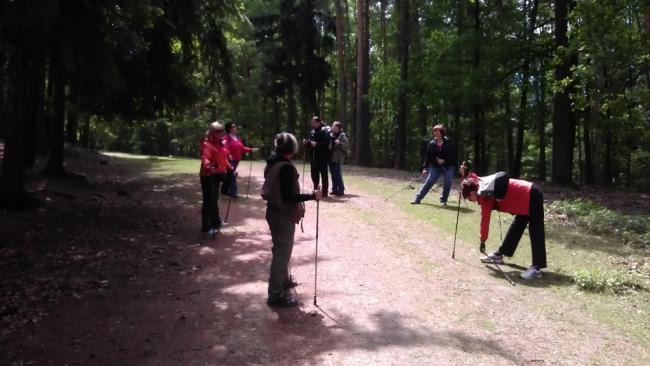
[111, 270]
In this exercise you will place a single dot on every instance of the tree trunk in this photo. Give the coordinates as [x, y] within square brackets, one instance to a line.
[403, 41]
[72, 127]
[56, 137]
[291, 110]
[586, 138]
[563, 117]
[362, 154]
[342, 103]
[479, 133]
[523, 103]
[509, 129]
[84, 139]
[34, 117]
[541, 123]
[12, 191]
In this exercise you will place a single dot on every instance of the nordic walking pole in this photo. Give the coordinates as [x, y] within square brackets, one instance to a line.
[250, 169]
[500, 230]
[460, 191]
[496, 265]
[316, 261]
[403, 188]
[227, 210]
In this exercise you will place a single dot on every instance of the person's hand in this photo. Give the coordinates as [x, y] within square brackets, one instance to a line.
[318, 194]
[255, 149]
[440, 161]
[305, 142]
[424, 172]
[313, 144]
[481, 246]
[463, 170]
[337, 141]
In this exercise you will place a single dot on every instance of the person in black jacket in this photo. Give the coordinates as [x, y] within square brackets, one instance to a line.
[440, 159]
[319, 142]
[284, 210]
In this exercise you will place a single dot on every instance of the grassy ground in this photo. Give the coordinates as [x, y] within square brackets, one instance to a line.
[568, 249]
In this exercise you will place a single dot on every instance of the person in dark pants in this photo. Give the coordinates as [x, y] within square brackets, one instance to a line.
[284, 210]
[339, 143]
[214, 163]
[319, 142]
[526, 202]
[439, 160]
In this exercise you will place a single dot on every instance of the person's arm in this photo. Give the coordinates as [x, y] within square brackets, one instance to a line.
[206, 158]
[323, 138]
[486, 212]
[343, 141]
[428, 156]
[287, 175]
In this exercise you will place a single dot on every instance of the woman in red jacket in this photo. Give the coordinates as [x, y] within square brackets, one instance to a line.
[518, 197]
[214, 163]
[236, 149]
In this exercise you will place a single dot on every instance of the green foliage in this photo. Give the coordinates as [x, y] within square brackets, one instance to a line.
[633, 230]
[600, 281]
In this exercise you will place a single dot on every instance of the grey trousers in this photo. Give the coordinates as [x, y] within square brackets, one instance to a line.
[282, 232]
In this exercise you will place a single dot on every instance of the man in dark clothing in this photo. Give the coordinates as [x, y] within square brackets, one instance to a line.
[319, 142]
[440, 159]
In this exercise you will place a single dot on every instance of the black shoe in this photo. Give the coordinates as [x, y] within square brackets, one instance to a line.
[289, 284]
[283, 302]
[415, 202]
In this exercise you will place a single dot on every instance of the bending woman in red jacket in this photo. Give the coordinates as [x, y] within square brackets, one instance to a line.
[214, 163]
[520, 198]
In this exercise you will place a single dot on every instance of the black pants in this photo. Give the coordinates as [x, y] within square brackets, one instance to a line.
[535, 223]
[210, 210]
[318, 170]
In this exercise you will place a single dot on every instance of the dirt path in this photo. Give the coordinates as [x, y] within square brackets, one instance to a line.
[388, 294]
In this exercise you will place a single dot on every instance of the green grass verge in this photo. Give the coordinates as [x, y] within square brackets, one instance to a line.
[576, 258]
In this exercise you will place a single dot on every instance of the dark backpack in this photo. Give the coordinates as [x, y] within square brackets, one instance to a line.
[495, 185]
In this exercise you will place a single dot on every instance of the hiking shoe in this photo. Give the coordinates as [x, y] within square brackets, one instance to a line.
[283, 302]
[531, 273]
[443, 204]
[213, 232]
[415, 202]
[492, 258]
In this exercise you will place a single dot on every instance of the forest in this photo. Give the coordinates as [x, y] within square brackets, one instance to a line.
[549, 90]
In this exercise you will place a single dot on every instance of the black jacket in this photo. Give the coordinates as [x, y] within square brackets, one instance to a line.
[321, 135]
[446, 153]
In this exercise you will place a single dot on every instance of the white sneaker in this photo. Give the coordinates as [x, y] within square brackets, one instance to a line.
[531, 274]
[492, 258]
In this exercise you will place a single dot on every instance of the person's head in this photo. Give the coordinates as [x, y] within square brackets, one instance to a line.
[337, 127]
[439, 131]
[315, 121]
[231, 127]
[469, 188]
[286, 144]
[215, 130]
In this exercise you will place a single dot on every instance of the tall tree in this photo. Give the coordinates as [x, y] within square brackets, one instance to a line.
[342, 103]
[403, 41]
[564, 123]
[362, 154]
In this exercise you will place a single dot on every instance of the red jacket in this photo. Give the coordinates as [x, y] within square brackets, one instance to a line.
[214, 157]
[236, 147]
[516, 202]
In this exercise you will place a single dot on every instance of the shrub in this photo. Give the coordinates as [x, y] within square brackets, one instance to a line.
[598, 281]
